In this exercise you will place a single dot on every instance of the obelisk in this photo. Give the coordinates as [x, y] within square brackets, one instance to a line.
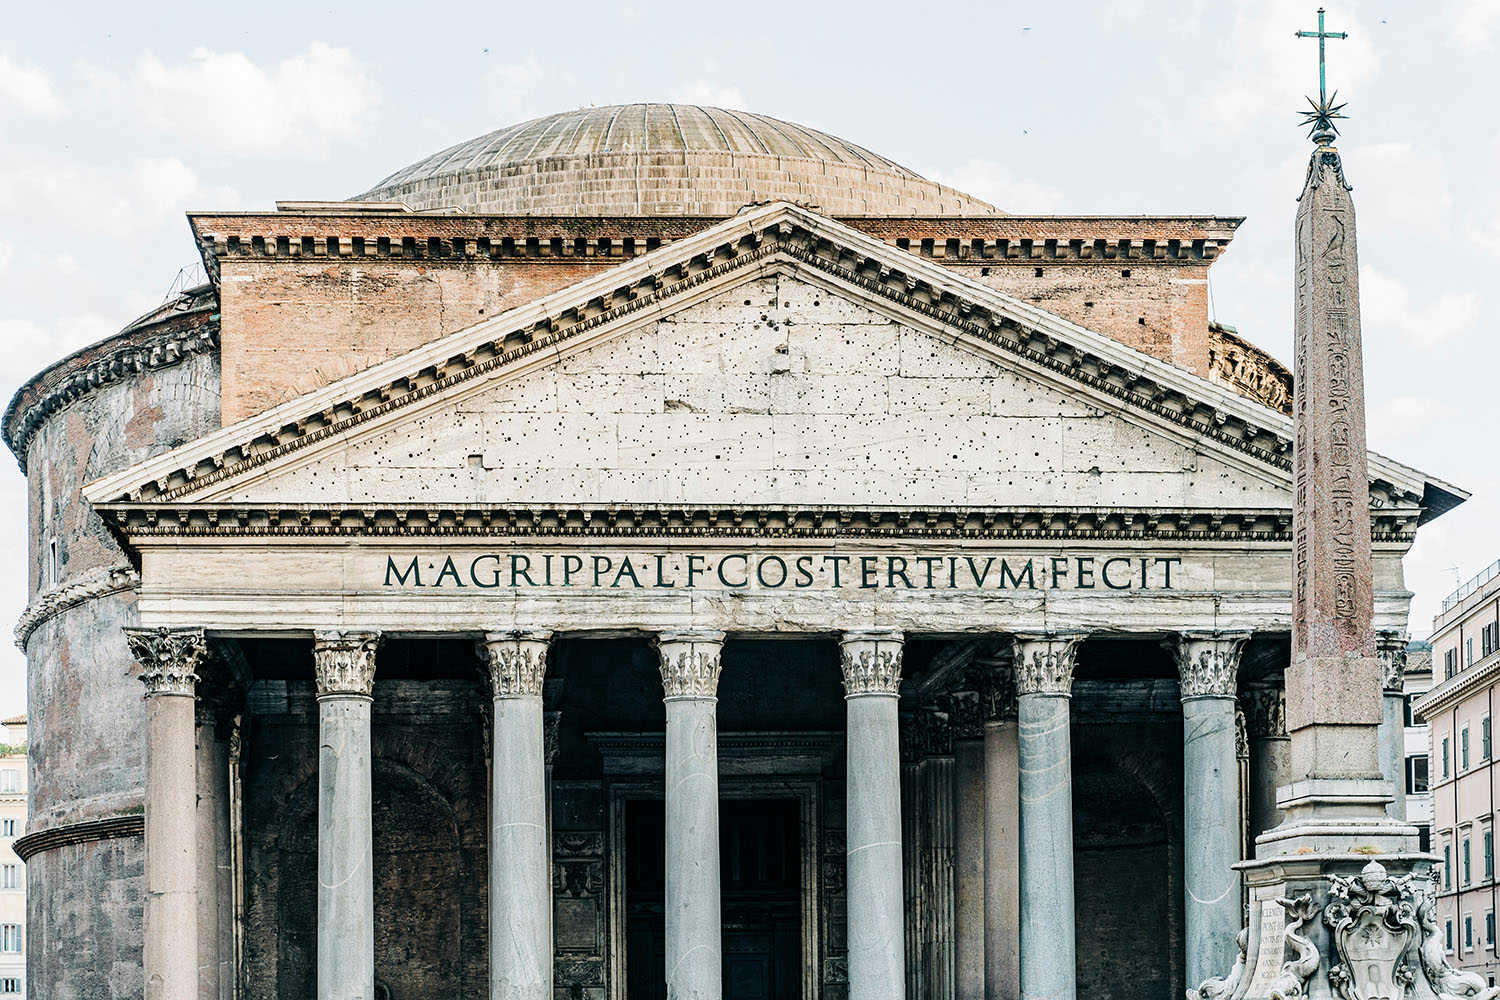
[1337, 903]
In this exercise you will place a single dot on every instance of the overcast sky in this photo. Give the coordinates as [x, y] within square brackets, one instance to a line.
[115, 119]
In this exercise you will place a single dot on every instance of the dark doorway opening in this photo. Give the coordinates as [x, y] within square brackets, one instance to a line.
[760, 857]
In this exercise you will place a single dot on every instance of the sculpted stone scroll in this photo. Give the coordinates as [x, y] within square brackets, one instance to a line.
[169, 658]
[344, 663]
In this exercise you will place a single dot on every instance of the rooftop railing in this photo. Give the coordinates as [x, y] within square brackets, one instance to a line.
[1483, 577]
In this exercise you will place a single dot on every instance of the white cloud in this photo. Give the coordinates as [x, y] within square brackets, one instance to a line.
[1386, 304]
[1397, 420]
[300, 106]
[1473, 24]
[31, 346]
[996, 184]
[1400, 188]
[7, 254]
[148, 195]
[27, 91]
[703, 92]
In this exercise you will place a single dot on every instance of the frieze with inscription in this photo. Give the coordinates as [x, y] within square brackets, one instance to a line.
[761, 570]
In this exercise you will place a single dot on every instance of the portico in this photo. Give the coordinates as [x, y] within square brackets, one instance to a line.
[952, 608]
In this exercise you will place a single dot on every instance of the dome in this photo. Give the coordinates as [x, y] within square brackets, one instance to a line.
[663, 159]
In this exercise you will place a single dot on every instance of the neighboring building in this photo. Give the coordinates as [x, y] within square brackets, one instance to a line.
[12, 870]
[615, 399]
[1418, 742]
[1460, 709]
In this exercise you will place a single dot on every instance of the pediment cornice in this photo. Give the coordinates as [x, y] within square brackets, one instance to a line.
[924, 293]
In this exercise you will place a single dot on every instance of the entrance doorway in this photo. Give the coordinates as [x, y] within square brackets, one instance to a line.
[760, 857]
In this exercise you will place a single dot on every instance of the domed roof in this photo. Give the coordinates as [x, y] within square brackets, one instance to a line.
[663, 159]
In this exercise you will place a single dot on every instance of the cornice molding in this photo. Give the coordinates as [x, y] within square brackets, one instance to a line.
[926, 290]
[187, 519]
[99, 583]
[22, 419]
[86, 832]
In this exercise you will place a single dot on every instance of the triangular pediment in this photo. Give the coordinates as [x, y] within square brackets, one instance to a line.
[779, 358]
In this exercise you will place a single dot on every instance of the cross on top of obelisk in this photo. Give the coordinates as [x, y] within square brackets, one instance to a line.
[1323, 111]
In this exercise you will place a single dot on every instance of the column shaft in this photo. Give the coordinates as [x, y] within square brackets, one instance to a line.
[690, 664]
[520, 883]
[1390, 646]
[1044, 679]
[1002, 859]
[205, 813]
[169, 660]
[345, 666]
[940, 958]
[1208, 670]
[872, 675]
[1211, 821]
[1048, 948]
[968, 868]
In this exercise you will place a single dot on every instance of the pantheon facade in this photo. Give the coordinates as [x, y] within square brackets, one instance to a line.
[664, 551]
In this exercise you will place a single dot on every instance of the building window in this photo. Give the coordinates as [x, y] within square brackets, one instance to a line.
[1463, 749]
[1468, 932]
[10, 780]
[1409, 717]
[1450, 667]
[1450, 936]
[1448, 868]
[10, 937]
[1489, 927]
[1484, 738]
[1489, 855]
[7, 828]
[1445, 756]
[1468, 871]
[1469, 651]
[10, 876]
[10, 986]
[1416, 774]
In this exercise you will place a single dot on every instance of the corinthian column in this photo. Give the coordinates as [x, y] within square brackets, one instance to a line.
[1002, 854]
[344, 663]
[872, 675]
[1270, 761]
[690, 679]
[169, 660]
[1044, 683]
[1390, 646]
[1208, 667]
[520, 886]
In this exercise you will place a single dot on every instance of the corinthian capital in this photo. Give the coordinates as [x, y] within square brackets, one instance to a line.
[690, 663]
[169, 658]
[1208, 663]
[1044, 661]
[1390, 646]
[871, 662]
[1265, 713]
[344, 663]
[517, 662]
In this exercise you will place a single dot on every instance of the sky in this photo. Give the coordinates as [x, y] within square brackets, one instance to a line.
[116, 119]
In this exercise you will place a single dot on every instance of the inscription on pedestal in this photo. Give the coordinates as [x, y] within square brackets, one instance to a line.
[1271, 951]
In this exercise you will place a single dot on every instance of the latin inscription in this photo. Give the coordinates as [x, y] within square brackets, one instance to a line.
[1271, 952]
[773, 571]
